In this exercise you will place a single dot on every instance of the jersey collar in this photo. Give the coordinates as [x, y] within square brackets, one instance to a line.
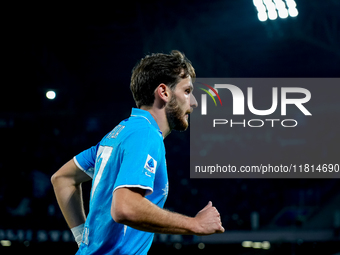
[146, 115]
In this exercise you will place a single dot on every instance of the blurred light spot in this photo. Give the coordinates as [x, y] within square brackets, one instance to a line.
[5, 243]
[177, 246]
[265, 245]
[257, 2]
[273, 9]
[291, 3]
[283, 13]
[50, 94]
[280, 5]
[247, 244]
[272, 14]
[257, 245]
[293, 12]
[262, 16]
[201, 246]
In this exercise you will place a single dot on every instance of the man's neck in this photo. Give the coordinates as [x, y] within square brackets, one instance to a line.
[160, 117]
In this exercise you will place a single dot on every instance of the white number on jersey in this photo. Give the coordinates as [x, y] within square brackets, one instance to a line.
[104, 152]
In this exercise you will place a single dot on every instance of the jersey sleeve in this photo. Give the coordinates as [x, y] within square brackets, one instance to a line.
[86, 160]
[142, 154]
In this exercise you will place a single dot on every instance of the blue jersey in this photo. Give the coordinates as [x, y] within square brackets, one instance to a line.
[131, 155]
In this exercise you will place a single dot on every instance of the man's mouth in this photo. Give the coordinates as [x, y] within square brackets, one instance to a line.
[190, 111]
[187, 113]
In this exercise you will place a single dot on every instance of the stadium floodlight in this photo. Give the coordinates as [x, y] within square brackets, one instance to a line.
[247, 244]
[272, 14]
[283, 13]
[257, 245]
[50, 94]
[261, 9]
[5, 243]
[265, 245]
[293, 12]
[291, 3]
[262, 16]
[273, 9]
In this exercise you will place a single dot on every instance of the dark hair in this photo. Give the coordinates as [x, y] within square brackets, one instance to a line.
[155, 69]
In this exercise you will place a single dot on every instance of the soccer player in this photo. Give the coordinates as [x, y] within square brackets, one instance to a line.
[128, 168]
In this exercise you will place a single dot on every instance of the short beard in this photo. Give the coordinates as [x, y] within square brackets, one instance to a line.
[175, 115]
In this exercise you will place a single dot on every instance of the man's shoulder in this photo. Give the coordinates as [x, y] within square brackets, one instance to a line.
[133, 129]
[138, 126]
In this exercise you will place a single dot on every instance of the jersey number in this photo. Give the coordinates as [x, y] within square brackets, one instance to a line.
[104, 153]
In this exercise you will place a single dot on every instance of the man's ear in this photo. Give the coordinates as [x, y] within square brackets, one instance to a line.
[163, 93]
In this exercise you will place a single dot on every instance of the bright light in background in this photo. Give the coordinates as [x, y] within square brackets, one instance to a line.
[201, 246]
[247, 244]
[256, 245]
[293, 12]
[262, 16]
[50, 94]
[265, 245]
[261, 9]
[5, 243]
[283, 13]
[273, 9]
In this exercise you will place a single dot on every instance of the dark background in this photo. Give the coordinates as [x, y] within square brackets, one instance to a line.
[86, 52]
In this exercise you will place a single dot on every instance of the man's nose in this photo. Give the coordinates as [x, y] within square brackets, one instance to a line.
[193, 102]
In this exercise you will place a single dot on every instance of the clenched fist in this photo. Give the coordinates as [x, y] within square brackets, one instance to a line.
[208, 221]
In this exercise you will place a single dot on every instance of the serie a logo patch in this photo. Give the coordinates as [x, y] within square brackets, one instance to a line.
[150, 164]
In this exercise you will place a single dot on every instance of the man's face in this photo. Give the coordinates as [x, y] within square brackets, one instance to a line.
[181, 105]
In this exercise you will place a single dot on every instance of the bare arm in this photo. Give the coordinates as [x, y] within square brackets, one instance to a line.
[67, 188]
[130, 207]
